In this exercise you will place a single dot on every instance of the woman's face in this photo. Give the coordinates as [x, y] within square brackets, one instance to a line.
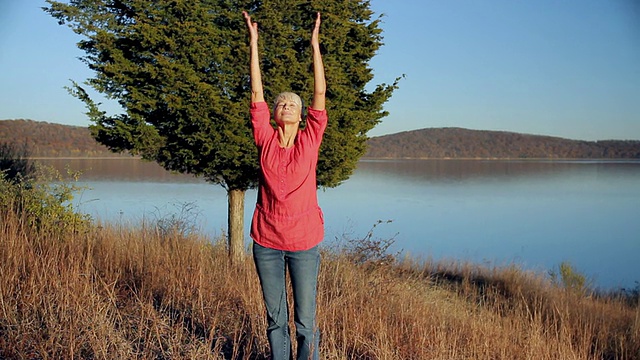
[288, 110]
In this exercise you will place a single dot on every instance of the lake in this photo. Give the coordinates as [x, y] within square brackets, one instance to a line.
[535, 214]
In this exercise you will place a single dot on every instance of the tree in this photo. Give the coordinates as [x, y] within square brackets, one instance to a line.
[180, 71]
[15, 166]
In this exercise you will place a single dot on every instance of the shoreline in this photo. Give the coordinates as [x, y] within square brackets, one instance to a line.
[366, 158]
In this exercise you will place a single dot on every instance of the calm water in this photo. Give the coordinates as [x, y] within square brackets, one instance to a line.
[535, 214]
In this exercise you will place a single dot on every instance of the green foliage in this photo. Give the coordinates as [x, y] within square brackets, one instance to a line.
[179, 69]
[569, 277]
[44, 204]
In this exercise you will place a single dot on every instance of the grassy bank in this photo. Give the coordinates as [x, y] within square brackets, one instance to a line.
[155, 292]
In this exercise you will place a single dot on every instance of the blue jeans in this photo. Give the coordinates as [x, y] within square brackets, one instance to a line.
[303, 269]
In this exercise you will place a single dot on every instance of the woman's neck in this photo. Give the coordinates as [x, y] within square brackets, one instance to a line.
[287, 134]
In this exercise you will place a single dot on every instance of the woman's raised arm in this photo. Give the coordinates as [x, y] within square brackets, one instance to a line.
[257, 92]
[319, 83]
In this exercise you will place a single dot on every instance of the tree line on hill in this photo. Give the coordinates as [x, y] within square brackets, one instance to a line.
[45, 139]
[458, 143]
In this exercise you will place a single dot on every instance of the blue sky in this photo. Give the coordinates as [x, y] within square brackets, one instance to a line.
[567, 68]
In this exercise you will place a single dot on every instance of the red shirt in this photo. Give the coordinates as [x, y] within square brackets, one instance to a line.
[287, 215]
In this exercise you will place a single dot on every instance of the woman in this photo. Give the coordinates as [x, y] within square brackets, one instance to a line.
[287, 223]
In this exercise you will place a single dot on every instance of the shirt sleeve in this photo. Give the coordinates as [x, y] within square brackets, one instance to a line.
[316, 124]
[260, 116]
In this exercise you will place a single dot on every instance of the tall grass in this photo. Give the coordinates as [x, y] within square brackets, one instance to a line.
[144, 292]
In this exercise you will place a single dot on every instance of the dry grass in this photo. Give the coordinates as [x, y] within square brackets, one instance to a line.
[138, 293]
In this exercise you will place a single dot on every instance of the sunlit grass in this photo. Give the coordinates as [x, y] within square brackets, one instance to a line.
[145, 292]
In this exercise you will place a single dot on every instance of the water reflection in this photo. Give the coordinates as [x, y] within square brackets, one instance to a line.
[433, 171]
[445, 171]
[117, 169]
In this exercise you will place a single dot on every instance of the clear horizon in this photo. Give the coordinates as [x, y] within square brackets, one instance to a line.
[563, 69]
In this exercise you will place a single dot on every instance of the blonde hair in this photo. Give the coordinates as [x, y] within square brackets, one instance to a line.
[288, 96]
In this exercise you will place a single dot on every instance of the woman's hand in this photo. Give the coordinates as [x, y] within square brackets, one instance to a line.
[315, 35]
[319, 83]
[252, 26]
[257, 93]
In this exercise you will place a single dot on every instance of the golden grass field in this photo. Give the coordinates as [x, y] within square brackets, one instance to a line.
[141, 292]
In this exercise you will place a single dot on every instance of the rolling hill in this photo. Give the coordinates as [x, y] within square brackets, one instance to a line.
[45, 139]
[55, 140]
[456, 143]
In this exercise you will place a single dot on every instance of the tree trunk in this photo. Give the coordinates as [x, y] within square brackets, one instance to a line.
[236, 225]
